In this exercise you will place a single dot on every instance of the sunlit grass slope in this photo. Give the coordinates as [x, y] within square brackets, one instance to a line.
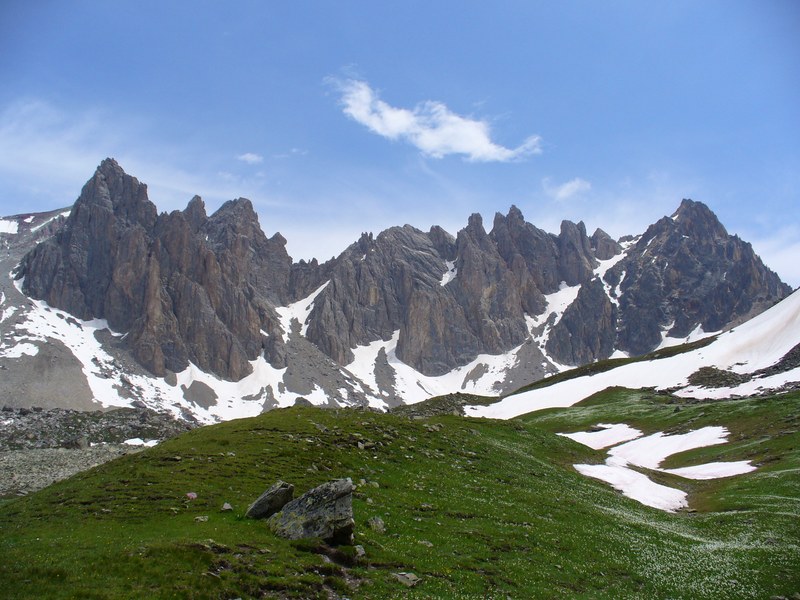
[475, 508]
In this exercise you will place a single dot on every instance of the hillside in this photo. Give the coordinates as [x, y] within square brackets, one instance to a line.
[475, 508]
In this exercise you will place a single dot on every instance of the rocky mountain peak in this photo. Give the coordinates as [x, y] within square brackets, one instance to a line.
[604, 246]
[576, 260]
[695, 219]
[515, 215]
[195, 213]
[113, 190]
[444, 243]
[216, 292]
[475, 224]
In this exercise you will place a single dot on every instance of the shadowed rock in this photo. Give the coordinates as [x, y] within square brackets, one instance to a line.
[271, 501]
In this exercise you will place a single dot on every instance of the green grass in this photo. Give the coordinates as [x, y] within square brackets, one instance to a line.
[478, 509]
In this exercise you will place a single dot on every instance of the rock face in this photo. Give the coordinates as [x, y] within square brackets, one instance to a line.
[324, 512]
[271, 501]
[685, 272]
[187, 287]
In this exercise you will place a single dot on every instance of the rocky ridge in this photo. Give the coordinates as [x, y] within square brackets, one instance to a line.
[214, 292]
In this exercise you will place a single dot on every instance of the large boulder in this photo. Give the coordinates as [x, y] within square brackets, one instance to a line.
[324, 512]
[271, 501]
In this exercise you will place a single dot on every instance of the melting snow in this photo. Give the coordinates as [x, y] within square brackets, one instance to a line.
[637, 486]
[298, 310]
[649, 452]
[19, 350]
[756, 344]
[557, 303]
[65, 213]
[140, 442]
[413, 386]
[609, 435]
[450, 274]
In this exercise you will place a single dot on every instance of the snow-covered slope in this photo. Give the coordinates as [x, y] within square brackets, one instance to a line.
[746, 350]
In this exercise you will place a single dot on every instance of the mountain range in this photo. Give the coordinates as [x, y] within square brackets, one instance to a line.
[111, 303]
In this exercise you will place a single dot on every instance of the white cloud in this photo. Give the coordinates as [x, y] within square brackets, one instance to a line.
[567, 190]
[250, 158]
[430, 126]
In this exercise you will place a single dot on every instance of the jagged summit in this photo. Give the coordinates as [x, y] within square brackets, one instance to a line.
[396, 314]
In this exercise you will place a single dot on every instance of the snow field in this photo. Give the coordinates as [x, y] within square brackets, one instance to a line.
[8, 227]
[756, 344]
[649, 452]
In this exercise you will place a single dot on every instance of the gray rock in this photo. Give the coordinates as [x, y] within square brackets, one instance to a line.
[376, 524]
[407, 579]
[271, 501]
[324, 512]
[686, 270]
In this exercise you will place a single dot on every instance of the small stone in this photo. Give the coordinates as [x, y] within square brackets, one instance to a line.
[360, 552]
[201, 519]
[376, 524]
[226, 507]
[407, 579]
[426, 543]
[191, 495]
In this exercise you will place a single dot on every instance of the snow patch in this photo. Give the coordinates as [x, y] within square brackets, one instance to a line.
[140, 442]
[636, 486]
[8, 227]
[483, 375]
[65, 213]
[649, 452]
[298, 310]
[450, 274]
[557, 303]
[756, 344]
[19, 350]
[609, 435]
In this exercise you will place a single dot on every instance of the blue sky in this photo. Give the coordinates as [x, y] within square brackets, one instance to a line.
[341, 117]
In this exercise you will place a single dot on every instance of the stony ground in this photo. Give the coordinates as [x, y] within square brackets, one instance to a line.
[25, 471]
[39, 447]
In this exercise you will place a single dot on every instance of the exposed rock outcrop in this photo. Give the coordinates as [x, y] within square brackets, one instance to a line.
[185, 287]
[324, 512]
[271, 501]
[685, 272]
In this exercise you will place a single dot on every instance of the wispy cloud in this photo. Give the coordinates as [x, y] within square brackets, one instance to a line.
[566, 191]
[250, 158]
[430, 126]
